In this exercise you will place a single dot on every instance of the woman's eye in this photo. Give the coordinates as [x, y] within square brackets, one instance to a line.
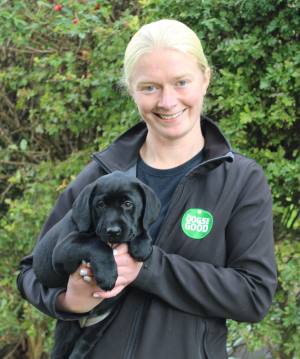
[149, 89]
[182, 83]
[100, 204]
[128, 204]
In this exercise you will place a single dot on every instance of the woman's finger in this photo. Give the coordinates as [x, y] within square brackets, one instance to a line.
[84, 271]
[120, 249]
[87, 279]
[109, 294]
[125, 260]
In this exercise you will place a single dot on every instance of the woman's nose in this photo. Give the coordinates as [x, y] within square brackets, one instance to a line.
[167, 99]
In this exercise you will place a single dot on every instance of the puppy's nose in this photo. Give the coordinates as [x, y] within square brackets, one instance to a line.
[114, 231]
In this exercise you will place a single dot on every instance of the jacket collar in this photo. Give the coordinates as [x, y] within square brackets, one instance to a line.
[122, 154]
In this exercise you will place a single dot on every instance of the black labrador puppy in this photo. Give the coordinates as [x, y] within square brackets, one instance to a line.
[114, 209]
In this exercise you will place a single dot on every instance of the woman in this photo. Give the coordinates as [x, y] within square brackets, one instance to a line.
[213, 255]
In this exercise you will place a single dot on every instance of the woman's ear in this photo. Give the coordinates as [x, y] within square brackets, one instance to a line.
[130, 91]
[132, 94]
[206, 78]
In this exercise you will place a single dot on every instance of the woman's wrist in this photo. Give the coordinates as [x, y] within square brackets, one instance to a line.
[61, 303]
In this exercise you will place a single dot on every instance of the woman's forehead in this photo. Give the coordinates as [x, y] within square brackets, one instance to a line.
[164, 63]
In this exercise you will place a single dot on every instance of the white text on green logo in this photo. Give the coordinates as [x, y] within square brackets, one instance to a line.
[196, 223]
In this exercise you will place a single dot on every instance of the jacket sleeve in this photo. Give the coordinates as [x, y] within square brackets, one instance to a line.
[31, 289]
[243, 289]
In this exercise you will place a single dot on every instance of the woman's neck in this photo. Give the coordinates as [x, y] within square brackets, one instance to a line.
[161, 154]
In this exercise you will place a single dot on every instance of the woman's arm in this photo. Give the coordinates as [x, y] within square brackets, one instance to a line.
[68, 303]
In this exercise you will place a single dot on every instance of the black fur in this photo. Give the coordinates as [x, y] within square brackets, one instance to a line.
[114, 209]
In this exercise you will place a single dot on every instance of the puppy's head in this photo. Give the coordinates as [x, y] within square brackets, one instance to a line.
[117, 207]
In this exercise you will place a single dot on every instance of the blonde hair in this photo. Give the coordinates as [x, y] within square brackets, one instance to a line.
[171, 34]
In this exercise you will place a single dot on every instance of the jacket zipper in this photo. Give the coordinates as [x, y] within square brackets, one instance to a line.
[175, 199]
[202, 334]
[132, 341]
[205, 340]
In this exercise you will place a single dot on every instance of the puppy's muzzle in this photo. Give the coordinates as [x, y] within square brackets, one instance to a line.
[114, 231]
[112, 234]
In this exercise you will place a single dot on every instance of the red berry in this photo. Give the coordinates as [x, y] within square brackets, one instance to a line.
[97, 6]
[75, 21]
[57, 7]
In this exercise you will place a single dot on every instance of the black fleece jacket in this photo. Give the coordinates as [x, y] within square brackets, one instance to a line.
[213, 258]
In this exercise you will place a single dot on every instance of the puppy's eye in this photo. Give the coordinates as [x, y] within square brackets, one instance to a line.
[127, 204]
[100, 204]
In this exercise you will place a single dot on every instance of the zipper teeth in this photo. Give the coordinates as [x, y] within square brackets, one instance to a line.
[205, 341]
[174, 198]
[131, 345]
[131, 339]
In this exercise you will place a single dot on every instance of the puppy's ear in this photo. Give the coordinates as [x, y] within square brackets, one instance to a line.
[81, 211]
[151, 205]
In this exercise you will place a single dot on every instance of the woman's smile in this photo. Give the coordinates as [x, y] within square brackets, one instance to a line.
[172, 116]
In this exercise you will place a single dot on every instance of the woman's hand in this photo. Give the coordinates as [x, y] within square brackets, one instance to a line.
[83, 294]
[78, 297]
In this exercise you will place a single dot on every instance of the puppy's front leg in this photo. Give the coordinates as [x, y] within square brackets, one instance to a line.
[104, 267]
[140, 248]
[69, 253]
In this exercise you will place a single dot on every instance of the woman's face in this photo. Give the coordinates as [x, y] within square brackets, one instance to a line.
[168, 88]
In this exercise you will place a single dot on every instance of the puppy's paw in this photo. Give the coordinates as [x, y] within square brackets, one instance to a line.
[140, 251]
[106, 284]
[106, 281]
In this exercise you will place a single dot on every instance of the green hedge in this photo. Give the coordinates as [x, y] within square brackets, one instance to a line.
[60, 100]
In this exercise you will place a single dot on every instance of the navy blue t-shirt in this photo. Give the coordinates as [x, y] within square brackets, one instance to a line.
[164, 183]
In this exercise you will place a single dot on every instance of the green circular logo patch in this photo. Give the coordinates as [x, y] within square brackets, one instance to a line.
[196, 223]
